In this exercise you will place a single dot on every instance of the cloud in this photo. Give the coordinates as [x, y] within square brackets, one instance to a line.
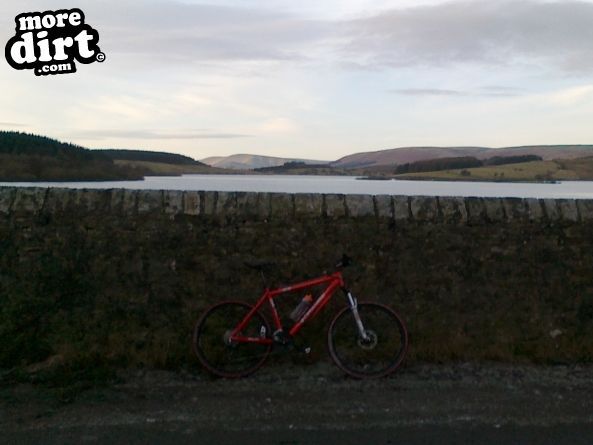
[494, 33]
[490, 91]
[12, 124]
[176, 32]
[572, 96]
[150, 135]
[278, 125]
[502, 91]
[429, 92]
[502, 32]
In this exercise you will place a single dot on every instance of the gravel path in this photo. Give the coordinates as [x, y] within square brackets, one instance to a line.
[317, 404]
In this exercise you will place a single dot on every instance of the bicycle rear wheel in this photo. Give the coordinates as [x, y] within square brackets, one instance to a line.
[212, 345]
[381, 354]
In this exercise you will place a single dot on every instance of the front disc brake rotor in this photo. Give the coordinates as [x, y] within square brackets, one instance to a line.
[370, 343]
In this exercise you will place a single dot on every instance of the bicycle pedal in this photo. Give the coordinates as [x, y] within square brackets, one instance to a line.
[306, 350]
[280, 337]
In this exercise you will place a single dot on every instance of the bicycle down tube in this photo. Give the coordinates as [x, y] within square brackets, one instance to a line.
[334, 282]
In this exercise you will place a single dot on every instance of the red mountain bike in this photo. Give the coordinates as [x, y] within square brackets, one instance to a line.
[366, 340]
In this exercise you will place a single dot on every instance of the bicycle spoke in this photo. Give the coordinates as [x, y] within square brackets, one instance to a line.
[380, 353]
[221, 358]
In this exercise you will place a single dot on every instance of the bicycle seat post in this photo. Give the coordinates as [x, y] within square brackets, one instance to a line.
[263, 278]
[260, 266]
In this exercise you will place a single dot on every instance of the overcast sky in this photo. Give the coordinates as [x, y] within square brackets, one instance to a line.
[314, 79]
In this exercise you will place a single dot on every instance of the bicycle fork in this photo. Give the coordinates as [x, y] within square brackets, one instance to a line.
[354, 308]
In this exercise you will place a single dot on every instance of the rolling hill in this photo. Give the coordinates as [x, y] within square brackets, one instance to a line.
[398, 156]
[149, 156]
[579, 169]
[159, 163]
[30, 157]
[248, 162]
[404, 155]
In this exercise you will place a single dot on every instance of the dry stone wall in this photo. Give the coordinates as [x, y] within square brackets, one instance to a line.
[120, 276]
[421, 209]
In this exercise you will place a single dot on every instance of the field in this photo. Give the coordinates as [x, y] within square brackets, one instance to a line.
[163, 169]
[573, 169]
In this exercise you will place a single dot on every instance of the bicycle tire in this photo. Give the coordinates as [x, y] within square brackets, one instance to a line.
[217, 355]
[383, 355]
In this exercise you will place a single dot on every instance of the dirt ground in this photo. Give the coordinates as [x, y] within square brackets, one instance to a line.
[298, 404]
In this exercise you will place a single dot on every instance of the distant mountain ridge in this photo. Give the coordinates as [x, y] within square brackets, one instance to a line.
[404, 155]
[37, 157]
[248, 162]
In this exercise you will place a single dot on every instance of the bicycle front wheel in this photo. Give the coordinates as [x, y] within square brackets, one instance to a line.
[380, 354]
[215, 350]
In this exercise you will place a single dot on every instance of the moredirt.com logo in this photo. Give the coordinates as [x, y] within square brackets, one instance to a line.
[51, 42]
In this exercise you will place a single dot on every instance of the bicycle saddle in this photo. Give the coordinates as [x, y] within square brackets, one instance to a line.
[345, 261]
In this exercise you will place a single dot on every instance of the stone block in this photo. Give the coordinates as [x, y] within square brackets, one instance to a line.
[535, 210]
[150, 201]
[585, 207]
[495, 209]
[173, 202]
[227, 204]
[91, 200]
[360, 205]
[57, 200]
[6, 199]
[281, 205]
[335, 205]
[515, 208]
[191, 203]
[552, 209]
[384, 206]
[29, 200]
[208, 203]
[453, 209]
[129, 202]
[476, 210]
[248, 204]
[568, 209]
[116, 200]
[308, 204]
[424, 208]
[401, 208]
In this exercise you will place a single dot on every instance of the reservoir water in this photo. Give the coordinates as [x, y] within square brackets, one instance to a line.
[335, 184]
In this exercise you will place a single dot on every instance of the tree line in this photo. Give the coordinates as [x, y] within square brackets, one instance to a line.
[150, 156]
[17, 143]
[29, 157]
[290, 165]
[461, 162]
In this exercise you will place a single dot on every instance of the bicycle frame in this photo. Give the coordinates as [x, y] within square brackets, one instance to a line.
[333, 281]
[233, 339]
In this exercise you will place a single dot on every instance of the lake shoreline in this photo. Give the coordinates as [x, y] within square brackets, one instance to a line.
[342, 185]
